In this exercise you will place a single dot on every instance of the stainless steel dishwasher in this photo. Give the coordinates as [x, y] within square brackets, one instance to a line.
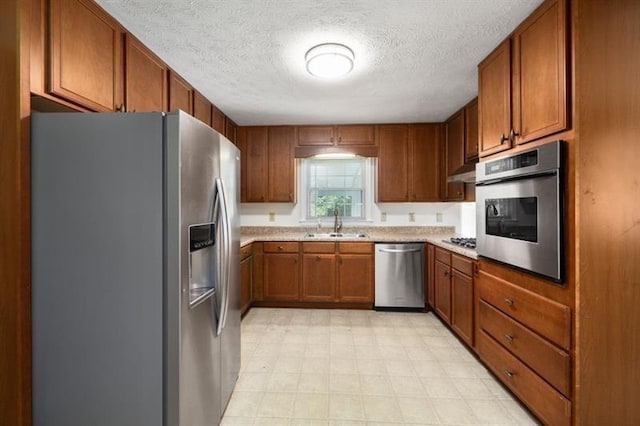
[399, 275]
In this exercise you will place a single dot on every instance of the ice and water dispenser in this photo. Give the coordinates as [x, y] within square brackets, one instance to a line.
[202, 262]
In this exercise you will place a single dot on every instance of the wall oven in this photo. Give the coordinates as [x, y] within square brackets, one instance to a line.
[519, 210]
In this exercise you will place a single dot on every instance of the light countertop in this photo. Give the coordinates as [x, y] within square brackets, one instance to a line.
[399, 234]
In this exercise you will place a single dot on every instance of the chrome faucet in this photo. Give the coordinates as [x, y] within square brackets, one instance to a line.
[337, 221]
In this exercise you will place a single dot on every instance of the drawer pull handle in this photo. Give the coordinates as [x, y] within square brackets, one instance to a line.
[280, 248]
[509, 337]
[509, 374]
[508, 301]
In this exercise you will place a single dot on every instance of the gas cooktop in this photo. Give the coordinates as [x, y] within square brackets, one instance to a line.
[469, 243]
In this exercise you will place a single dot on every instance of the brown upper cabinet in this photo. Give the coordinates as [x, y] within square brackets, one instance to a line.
[202, 108]
[218, 120]
[146, 78]
[471, 130]
[231, 129]
[347, 135]
[454, 154]
[393, 163]
[424, 160]
[85, 63]
[408, 163]
[180, 94]
[523, 82]
[281, 164]
[268, 166]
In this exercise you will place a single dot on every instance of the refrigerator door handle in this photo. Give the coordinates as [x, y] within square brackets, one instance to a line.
[226, 255]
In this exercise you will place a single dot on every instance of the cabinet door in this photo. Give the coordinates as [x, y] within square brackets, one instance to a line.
[355, 278]
[218, 120]
[180, 94]
[540, 73]
[424, 158]
[231, 130]
[443, 290]
[454, 154]
[356, 135]
[315, 135]
[280, 276]
[255, 159]
[202, 108]
[85, 66]
[146, 78]
[318, 277]
[431, 275]
[393, 163]
[246, 283]
[471, 130]
[281, 164]
[494, 100]
[462, 306]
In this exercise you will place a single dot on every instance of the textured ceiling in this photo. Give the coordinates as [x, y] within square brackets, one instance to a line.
[415, 59]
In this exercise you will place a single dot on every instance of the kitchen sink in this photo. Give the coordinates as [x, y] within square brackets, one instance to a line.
[349, 235]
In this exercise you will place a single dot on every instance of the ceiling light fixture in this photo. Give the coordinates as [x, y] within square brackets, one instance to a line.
[329, 60]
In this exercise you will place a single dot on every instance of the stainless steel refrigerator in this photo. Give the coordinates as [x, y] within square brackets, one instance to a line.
[135, 268]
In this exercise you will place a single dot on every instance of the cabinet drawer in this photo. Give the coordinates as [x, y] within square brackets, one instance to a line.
[280, 247]
[550, 319]
[246, 251]
[462, 264]
[551, 363]
[356, 248]
[319, 247]
[547, 403]
[443, 255]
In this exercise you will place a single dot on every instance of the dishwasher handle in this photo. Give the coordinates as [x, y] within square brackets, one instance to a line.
[416, 250]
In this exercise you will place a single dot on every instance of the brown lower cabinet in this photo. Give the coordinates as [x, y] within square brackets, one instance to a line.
[318, 272]
[280, 268]
[453, 287]
[297, 274]
[525, 339]
[246, 278]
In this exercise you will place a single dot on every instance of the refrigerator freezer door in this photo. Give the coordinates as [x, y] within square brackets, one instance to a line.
[97, 269]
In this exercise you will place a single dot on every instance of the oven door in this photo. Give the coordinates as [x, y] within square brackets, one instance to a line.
[519, 223]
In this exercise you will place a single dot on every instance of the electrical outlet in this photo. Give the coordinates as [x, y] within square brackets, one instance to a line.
[412, 217]
[383, 217]
[272, 216]
[438, 217]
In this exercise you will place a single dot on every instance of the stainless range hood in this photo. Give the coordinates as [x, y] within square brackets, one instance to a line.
[466, 174]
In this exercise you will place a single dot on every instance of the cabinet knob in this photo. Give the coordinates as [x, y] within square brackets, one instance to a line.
[446, 273]
[513, 134]
[508, 301]
[459, 193]
[503, 139]
[280, 248]
[262, 198]
[121, 108]
[509, 338]
[509, 374]
[290, 196]
[317, 258]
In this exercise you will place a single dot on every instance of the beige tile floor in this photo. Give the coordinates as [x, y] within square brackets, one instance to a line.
[348, 367]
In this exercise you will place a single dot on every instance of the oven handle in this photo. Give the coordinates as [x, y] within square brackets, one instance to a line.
[518, 177]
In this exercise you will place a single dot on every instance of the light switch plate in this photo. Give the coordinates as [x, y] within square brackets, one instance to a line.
[272, 216]
[412, 217]
[438, 217]
[383, 217]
